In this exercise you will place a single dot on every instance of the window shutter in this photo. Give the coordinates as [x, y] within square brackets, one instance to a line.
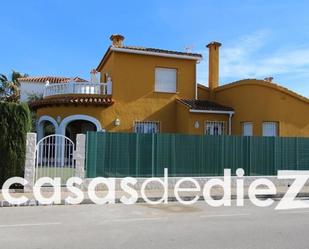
[247, 129]
[270, 129]
[165, 80]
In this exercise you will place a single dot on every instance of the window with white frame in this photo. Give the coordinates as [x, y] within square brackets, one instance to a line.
[147, 127]
[270, 129]
[165, 80]
[247, 129]
[215, 128]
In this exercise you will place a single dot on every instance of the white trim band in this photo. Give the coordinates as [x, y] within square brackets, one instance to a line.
[211, 111]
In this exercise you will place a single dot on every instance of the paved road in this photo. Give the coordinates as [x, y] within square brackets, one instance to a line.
[143, 226]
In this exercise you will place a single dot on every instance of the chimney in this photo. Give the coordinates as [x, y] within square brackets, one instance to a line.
[213, 73]
[117, 40]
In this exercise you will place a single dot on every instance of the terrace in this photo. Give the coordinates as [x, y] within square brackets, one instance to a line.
[78, 88]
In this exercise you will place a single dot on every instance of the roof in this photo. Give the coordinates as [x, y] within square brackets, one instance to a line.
[261, 83]
[205, 105]
[153, 51]
[158, 50]
[72, 100]
[199, 85]
[51, 79]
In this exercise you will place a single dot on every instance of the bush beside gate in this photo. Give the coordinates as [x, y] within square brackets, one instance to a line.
[15, 122]
[146, 155]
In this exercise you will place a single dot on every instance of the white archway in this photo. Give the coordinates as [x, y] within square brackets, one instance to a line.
[71, 118]
[40, 127]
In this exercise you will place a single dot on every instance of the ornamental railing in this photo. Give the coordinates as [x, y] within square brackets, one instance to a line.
[78, 88]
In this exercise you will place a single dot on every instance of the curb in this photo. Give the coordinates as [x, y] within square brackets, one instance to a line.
[34, 203]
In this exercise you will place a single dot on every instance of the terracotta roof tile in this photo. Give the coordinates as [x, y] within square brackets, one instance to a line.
[158, 50]
[51, 79]
[72, 100]
[205, 105]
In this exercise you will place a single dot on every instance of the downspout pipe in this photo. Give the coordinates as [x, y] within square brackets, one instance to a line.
[230, 122]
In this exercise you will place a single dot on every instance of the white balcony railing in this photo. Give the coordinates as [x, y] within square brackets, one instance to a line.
[78, 88]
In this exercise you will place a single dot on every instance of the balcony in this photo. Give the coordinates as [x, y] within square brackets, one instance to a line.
[78, 88]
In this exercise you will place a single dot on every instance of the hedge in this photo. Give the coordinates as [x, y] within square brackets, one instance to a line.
[15, 122]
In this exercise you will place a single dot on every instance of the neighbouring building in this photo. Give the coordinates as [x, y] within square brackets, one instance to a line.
[148, 90]
[30, 86]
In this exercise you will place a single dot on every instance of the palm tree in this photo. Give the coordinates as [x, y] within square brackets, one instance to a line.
[9, 89]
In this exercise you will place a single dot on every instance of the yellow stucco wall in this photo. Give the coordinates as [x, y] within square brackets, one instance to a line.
[186, 120]
[203, 92]
[202, 118]
[108, 67]
[133, 78]
[183, 118]
[258, 101]
[133, 90]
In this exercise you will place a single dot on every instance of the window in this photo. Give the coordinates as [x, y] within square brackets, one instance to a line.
[147, 127]
[215, 128]
[247, 129]
[165, 80]
[270, 129]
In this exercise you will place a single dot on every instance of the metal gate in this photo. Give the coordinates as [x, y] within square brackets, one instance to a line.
[54, 157]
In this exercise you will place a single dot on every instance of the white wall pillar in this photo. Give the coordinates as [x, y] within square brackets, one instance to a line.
[80, 155]
[40, 125]
[30, 161]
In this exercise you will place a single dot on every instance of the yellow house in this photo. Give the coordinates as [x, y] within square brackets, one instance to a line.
[149, 90]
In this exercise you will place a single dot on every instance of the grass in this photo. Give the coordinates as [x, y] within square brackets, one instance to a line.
[62, 172]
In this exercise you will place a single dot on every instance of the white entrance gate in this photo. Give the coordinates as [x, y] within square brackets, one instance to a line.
[54, 157]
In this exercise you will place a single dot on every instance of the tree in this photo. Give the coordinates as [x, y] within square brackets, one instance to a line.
[33, 97]
[15, 122]
[9, 88]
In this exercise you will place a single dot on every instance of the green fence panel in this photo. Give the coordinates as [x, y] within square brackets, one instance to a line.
[146, 155]
[302, 154]
[164, 155]
[262, 154]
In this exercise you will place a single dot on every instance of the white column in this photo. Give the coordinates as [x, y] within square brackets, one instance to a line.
[109, 86]
[80, 155]
[30, 161]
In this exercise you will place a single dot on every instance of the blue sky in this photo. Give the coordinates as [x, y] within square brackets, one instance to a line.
[67, 38]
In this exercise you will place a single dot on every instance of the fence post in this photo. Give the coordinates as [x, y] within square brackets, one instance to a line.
[80, 155]
[153, 173]
[30, 161]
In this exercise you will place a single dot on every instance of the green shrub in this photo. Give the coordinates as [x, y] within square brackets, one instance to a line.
[15, 122]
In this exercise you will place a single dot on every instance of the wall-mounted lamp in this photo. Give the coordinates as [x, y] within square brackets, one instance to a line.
[117, 122]
[196, 125]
